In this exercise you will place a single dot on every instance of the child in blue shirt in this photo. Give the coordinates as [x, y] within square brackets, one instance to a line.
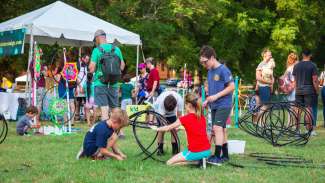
[220, 89]
[25, 122]
[103, 136]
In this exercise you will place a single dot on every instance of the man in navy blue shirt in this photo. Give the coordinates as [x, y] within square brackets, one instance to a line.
[220, 87]
[103, 136]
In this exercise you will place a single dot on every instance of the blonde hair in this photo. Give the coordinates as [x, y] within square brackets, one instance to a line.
[292, 59]
[118, 115]
[195, 102]
[265, 50]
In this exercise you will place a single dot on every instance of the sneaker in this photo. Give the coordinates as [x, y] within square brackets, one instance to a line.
[121, 136]
[80, 154]
[213, 160]
[160, 152]
[313, 133]
[224, 159]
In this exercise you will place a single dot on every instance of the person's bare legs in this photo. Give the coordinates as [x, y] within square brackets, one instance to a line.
[72, 111]
[218, 134]
[178, 159]
[160, 137]
[225, 138]
[104, 112]
[88, 116]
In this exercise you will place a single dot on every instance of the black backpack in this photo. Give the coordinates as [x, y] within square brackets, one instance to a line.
[110, 66]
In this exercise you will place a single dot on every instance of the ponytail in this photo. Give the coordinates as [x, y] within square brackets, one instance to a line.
[196, 103]
[198, 108]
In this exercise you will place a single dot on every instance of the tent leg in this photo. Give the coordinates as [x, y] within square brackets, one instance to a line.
[137, 71]
[30, 57]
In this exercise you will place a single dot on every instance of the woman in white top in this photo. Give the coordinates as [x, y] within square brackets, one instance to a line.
[264, 76]
[291, 61]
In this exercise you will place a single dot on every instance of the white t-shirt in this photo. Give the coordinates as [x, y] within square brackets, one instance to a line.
[159, 104]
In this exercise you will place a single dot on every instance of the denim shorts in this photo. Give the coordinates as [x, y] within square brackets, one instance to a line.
[194, 156]
[264, 92]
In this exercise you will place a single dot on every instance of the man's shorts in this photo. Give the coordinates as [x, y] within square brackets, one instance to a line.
[219, 116]
[106, 96]
[306, 100]
[194, 156]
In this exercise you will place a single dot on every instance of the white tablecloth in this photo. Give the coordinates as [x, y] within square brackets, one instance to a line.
[9, 103]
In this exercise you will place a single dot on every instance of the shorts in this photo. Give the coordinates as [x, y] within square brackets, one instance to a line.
[106, 96]
[219, 116]
[171, 119]
[90, 103]
[40, 95]
[90, 151]
[125, 102]
[306, 100]
[264, 92]
[80, 100]
[194, 156]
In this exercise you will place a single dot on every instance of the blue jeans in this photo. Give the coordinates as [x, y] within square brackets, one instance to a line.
[323, 99]
[264, 92]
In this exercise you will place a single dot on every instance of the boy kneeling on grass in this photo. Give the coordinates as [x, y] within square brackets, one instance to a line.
[195, 127]
[25, 122]
[103, 135]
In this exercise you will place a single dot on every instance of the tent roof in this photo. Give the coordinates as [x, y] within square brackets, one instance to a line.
[22, 78]
[68, 26]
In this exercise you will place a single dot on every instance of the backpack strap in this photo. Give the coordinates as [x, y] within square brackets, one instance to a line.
[101, 49]
[113, 48]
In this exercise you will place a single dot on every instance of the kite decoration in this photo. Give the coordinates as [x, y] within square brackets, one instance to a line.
[37, 60]
[70, 71]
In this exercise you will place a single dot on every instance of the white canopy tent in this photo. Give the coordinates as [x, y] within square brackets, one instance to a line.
[67, 26]
[22, 78]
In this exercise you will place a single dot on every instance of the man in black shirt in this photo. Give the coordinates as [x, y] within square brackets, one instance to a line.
[306, 81]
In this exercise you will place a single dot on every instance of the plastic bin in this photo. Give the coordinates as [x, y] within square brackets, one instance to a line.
[236, 146]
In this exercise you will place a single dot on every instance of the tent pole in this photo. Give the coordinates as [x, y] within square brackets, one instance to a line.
[137, 71]
[67, 91]
[30, 57]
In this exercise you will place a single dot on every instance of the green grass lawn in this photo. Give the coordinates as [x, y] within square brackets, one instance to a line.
[52, 159]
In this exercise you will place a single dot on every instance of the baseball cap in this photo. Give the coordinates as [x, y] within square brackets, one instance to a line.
[99, 32]
[142, 65]
[149, 60]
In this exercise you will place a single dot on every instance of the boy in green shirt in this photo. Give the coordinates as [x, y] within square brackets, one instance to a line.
[127, 90]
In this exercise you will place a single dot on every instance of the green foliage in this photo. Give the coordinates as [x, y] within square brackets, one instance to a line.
[174, 30]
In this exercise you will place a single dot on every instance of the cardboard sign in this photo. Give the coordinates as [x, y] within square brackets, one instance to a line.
[132, 109]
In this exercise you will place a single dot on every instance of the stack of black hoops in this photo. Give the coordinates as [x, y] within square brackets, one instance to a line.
[3, 128]
[279, 123]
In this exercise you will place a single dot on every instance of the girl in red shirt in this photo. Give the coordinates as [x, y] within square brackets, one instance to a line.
[195, 126]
